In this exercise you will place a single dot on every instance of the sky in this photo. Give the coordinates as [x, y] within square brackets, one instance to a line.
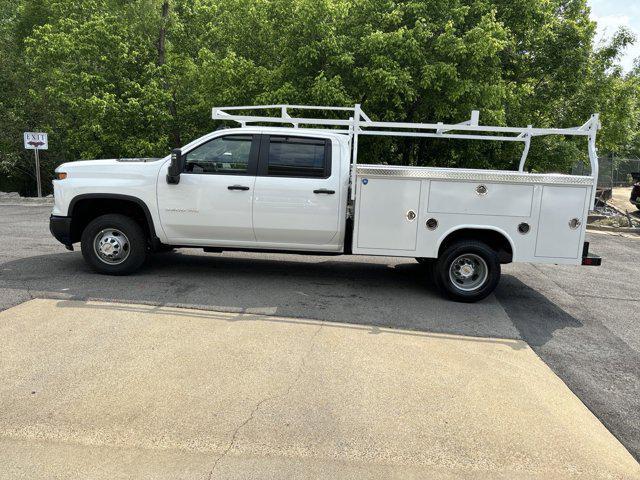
[610, 14]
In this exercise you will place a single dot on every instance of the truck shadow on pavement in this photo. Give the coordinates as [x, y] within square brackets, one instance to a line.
[187, 314]
[535, 316]
[380, 292]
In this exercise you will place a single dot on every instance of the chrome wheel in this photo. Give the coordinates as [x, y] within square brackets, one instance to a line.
[468, 272]
[111, 246]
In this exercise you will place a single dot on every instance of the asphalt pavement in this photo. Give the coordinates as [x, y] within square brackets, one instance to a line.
[580, 321]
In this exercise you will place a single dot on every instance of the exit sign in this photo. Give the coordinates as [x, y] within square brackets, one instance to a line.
[36, 141]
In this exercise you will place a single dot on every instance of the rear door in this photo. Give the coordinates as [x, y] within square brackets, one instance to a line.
[560, 227]
[212, 203]
[297, 192]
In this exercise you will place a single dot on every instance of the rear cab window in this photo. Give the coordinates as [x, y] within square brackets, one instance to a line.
[292, 156]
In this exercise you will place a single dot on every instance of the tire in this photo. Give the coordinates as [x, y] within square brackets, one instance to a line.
[467, 271]
[128, 245]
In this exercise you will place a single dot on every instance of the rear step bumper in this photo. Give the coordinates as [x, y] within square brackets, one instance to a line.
[590, 258]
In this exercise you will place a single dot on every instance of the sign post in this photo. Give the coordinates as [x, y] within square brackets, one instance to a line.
[36, 141]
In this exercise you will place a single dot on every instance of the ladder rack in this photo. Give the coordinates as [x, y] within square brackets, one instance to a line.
[359, 123]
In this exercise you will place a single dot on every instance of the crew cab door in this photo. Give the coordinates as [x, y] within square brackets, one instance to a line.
[296, 201]
[211, 205]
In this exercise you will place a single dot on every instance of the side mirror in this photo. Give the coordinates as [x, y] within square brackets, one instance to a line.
[175, 167]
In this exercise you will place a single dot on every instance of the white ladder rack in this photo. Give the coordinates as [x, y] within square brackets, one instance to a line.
[359, 123]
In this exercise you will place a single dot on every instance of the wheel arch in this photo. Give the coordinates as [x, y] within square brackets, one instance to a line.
[495, 237]
[85, 207]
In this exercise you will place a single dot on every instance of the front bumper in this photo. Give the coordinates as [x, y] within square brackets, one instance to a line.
[60, 228]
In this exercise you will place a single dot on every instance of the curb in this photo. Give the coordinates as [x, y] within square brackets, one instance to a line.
[33, 201]
[603, 228]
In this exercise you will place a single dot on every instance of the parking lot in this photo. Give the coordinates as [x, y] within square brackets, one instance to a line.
[573, 324]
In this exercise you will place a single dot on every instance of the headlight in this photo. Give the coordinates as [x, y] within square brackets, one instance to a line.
[61, 175]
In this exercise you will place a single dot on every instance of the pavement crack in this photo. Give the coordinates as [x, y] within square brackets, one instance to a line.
[235, 434]
[286, 392]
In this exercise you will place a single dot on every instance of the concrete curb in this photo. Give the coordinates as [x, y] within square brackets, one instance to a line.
[34, 201]
[604, 228]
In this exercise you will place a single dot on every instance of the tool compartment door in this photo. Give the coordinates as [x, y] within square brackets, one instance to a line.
[499, 199]
[387, 213]
[556, 237]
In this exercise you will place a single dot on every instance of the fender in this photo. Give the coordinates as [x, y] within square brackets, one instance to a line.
[115, 196]
[476, 227]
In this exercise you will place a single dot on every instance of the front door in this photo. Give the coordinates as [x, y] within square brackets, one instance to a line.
[211, 205]
[297, 192]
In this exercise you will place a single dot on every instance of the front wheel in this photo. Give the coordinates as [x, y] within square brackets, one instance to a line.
[114, 244]
[467, 271]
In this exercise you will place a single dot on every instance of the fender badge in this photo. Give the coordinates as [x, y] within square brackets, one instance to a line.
[182, 210]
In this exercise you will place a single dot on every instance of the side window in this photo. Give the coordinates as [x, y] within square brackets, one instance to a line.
[228, 155]
[298, 157]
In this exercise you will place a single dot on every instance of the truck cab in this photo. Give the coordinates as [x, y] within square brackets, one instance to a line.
[258, 189]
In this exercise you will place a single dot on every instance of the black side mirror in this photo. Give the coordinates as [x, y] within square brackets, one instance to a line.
[175, 167]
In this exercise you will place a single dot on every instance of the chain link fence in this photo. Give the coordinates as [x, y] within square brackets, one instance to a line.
[614, 171]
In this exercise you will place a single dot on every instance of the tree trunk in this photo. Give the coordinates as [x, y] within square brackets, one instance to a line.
[176, 140]
[163, 33]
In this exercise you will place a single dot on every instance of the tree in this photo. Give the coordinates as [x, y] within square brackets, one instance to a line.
[110, 78]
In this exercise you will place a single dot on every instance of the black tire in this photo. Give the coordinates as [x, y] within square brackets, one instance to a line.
[133, 248]
[467, 252]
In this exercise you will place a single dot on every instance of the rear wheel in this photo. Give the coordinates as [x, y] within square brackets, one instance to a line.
[114, 244]
[467, 271]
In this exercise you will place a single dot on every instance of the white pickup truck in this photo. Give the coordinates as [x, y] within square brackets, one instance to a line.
[300, 189]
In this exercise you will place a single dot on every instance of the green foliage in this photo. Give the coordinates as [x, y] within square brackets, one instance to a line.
[109, 78]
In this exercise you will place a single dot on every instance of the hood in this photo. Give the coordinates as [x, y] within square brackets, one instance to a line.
[112, 167]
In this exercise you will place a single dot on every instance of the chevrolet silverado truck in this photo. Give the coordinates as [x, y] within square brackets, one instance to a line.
[300, 189]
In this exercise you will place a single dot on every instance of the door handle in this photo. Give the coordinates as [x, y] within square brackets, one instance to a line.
[237, 187]
[324, 190]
